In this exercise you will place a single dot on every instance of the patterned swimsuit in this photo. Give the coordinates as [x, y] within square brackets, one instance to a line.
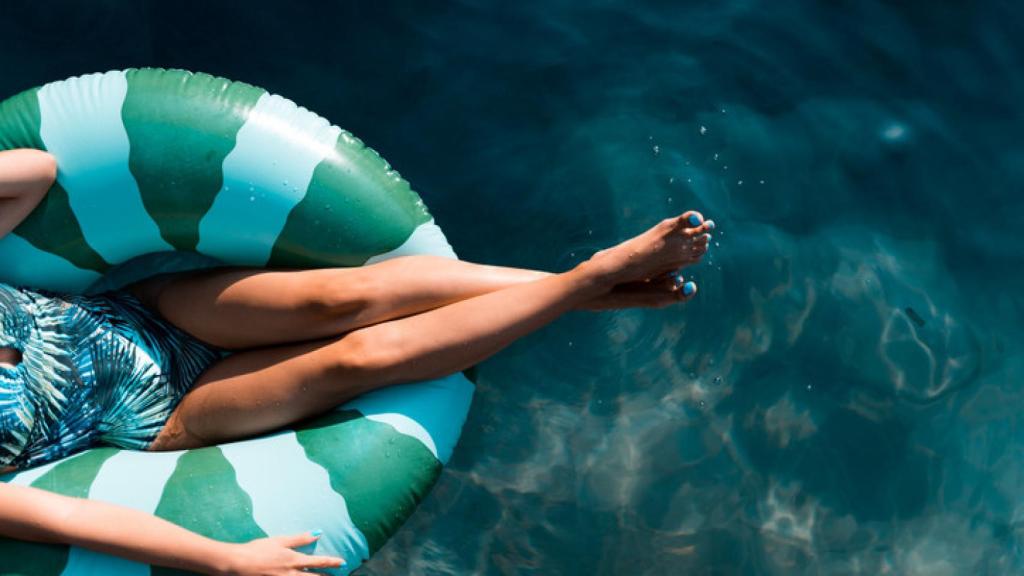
[94, 370]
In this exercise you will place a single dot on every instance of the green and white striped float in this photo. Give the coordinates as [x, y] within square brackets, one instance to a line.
[194, 170]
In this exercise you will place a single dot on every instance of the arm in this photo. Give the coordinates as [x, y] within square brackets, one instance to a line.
[25, 177]
[39, 516]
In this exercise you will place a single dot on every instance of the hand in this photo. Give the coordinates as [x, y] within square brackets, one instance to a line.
[274, 557]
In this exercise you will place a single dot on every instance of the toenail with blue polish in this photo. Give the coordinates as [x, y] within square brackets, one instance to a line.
[710, 224]
[708, 234]
[689, 288]
[694, 220]
[316, 533]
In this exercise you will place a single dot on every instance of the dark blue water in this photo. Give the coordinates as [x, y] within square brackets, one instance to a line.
[843, 397]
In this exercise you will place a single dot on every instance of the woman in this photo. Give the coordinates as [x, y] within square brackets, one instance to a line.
[323, 337]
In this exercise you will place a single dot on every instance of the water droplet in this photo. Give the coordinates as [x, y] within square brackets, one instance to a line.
[716, 244]
[703, 130]
[590, 232]
[808, 386]
[703, 404]
[739, 182]
[689, 179]
[894, 132]
[671, 180]
[570, 343]
[715, 156]
[657, 149]
[669, 199]
[252, 198]
[761, 182]
[725, 167]
[723, 110]
[718, 379]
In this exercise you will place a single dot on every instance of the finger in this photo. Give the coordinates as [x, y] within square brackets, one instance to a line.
[298, 540]
[309, 561]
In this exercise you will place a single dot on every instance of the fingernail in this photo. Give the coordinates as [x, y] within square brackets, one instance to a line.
[689, 288]
[694, 220]
[710, 224]
[317, 533]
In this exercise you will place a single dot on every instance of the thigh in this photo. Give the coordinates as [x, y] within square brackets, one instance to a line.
[258, 391]
[236, 308]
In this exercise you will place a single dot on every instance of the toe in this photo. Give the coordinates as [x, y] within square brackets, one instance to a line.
[691, 219]
[702, 227]
[688, 290]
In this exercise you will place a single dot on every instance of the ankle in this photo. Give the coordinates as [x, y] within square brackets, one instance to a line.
[593, 278]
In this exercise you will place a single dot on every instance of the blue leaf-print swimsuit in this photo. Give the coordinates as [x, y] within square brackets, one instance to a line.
[98, 369]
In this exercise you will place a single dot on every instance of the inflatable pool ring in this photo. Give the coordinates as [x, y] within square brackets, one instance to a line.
[168, 170]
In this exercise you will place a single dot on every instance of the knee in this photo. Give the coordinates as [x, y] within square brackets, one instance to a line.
[373, 353]
[340, 292]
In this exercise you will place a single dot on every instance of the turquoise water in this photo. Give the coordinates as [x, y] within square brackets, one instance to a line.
[843, 396]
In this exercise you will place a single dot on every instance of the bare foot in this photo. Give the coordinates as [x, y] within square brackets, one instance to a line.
[652, 293]
[664, 248]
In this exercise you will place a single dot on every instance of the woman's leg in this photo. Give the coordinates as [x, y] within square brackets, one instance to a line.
[249, 308]
[256, 391]
[246, 308]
